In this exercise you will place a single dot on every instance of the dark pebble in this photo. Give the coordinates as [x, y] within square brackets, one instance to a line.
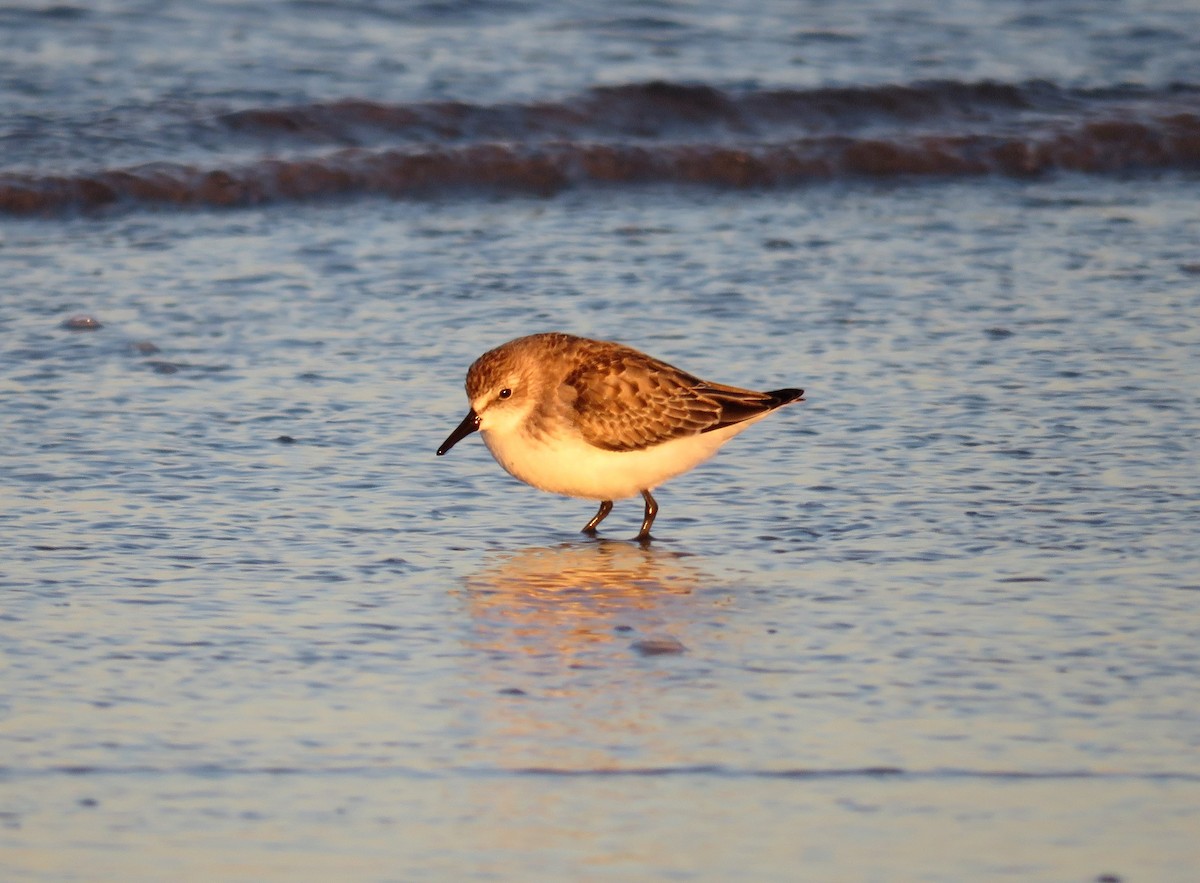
[658, 646]
[82, 323]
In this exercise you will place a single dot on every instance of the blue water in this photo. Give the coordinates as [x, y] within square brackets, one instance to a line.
[937, 623]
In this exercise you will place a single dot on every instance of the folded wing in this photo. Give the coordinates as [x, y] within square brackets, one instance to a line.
[627, 401]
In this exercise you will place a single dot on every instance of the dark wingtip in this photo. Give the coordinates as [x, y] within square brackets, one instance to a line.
[781, 397]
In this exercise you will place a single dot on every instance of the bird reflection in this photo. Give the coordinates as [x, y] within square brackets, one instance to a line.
[573, 600]
[557, 679]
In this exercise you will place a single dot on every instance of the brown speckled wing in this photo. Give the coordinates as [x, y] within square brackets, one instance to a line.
[624, 400]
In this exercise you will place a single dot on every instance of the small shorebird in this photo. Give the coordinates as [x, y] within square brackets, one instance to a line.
[598, 420]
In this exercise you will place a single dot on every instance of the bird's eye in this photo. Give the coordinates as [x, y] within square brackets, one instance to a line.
[505, 393]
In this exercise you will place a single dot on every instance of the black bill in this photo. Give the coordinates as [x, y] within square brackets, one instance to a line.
[470, 424]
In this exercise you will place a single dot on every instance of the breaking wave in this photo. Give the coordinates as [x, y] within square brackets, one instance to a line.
[643, 134]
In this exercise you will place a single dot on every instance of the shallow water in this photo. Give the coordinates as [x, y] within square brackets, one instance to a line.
[939, 622]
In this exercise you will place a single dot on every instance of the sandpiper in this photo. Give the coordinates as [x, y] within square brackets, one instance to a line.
[599, 420]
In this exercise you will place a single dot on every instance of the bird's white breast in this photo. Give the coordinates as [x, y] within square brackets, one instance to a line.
[569, 465]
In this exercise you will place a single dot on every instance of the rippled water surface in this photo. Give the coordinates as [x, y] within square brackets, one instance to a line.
[941, 617]
[937, 623]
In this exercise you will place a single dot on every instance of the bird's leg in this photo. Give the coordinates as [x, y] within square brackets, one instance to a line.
[651, 510]
[605, 508]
